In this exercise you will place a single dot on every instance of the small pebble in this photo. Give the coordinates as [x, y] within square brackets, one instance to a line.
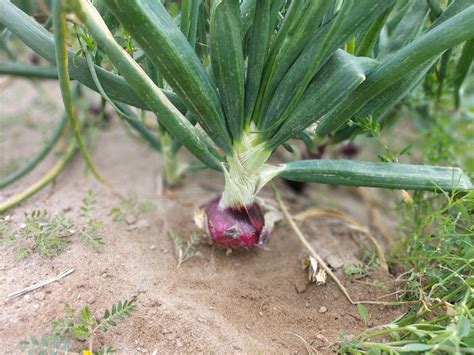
[141, 224]
[153, 247]
[39, 295]
[300, 285]
[322, 309]
[27, 298]
[130, 219]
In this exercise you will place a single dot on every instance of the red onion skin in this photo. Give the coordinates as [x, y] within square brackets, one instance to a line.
[235, 228]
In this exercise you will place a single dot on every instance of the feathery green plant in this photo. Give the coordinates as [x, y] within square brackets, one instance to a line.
[91, 231]
[82, 326]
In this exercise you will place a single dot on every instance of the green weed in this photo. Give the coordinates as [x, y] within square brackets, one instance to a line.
[185, 249]
[78, 327]
[90, 232]
[132, 206]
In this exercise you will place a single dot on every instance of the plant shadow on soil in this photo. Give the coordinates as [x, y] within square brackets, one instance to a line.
[247, 301]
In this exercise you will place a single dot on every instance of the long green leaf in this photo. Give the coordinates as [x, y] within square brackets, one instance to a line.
[228, 62]
[60, 34]
[202, 48]
[462, 69]
[339, 77]
[410, 24]
[189, 19]
[275, 15]
[449, 33]
[247, 10]
[42, 42]
[299, 26]
[27, 70]
[152, 27]
[366, 40]
[385, 175]
[258, 47]
[168, 115]
[443, 70]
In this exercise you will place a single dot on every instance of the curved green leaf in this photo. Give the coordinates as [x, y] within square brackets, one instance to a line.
[385, 175]
[247, 10]
[462, 69]
[366, 40]
[60, 33]
[189, 19]
[258, 47]
[27, 70]
[408, 26]
[228, 62]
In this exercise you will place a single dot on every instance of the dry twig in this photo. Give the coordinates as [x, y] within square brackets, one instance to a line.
[41, 284]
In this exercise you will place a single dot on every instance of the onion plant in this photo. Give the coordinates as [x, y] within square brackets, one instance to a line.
[247, 76]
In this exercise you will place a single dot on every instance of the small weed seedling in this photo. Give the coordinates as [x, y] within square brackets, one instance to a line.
[369, 262]
[46, 234]
[185, 250]
[90, 233]
[363, 312]
[6, 233]
[81, 327]
[132, 206]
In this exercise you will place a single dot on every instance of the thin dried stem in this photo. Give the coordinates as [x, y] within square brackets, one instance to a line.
[321, 262]
[351, 223]
[40, 284]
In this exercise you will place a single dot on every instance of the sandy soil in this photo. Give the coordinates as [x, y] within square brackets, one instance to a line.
[245, 302]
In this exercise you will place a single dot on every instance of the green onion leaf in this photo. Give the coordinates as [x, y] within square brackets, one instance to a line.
[60, 34]
[228, 62]
[385, 175]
